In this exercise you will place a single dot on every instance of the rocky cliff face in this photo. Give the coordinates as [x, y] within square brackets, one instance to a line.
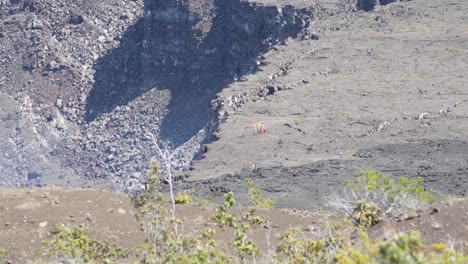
[48, 50]
[82, 83]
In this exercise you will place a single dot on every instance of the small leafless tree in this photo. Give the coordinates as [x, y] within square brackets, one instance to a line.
[166, 155]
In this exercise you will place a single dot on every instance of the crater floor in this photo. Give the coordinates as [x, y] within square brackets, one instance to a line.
[385, 89]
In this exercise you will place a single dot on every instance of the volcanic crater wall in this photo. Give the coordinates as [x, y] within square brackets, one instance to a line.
[192, 50]
[160, 75]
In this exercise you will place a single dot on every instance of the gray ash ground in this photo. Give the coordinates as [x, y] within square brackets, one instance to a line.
[339, 90]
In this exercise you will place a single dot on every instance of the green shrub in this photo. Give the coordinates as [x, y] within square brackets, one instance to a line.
[184, 198]
[75, 244]
[198, 248]
[246, 249]
[164, 244]
[389, 197]
[371, 182]
[366, 214]
[256, 198]
[222, 215]
[201, 202]
[402, 249]
[294, 248]
[413, 187]
[3, 253]
[151, 200]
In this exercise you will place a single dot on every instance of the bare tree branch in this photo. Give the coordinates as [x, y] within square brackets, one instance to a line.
[166, 157]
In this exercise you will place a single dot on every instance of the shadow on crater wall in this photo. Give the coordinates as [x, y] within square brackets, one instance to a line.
[193, 54]
[369, 5]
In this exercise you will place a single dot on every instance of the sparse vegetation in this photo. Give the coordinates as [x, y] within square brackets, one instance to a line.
[372, 195]
[296, 245]
[198, 248]
[184, 197]
[246, 249]
[151, 201]
[372, 182]
[256, 198]
[166, 154]
[3, 253]
[402, 248]
[222, 216]
[164, 244]
[200, 201]
[366, 214]
[74, 243]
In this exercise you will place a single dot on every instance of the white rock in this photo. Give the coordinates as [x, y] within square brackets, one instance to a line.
[101, 39]
[423, 115]
[59, 103]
